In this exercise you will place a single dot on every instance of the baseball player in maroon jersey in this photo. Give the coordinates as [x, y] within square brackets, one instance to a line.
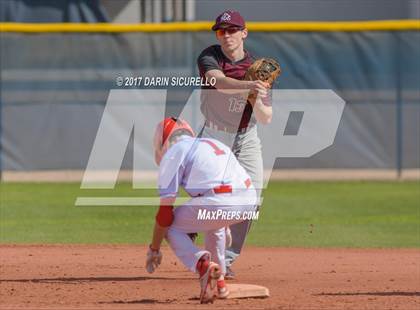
[230, 116]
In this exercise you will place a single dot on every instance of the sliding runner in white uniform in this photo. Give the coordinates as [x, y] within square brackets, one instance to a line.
[222, 195]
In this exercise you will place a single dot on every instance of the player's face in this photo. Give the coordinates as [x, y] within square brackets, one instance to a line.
[231, 38]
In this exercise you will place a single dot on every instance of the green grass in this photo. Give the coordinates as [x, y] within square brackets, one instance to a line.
[295, 214]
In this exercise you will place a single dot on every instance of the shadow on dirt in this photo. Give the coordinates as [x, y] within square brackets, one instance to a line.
[140, 301]
[395, 293]
[75, 280]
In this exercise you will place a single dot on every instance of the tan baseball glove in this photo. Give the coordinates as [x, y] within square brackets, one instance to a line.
[263, 69]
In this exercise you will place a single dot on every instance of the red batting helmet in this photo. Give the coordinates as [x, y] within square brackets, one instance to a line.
[164, 130]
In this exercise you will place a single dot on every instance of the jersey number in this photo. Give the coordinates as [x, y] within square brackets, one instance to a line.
[217, 151]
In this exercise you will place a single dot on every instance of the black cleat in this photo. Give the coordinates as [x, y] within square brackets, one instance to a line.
[193, 236]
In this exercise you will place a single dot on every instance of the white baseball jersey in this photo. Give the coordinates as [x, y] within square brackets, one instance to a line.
[199, 165]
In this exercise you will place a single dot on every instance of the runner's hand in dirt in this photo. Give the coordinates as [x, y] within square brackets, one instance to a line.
[153, 260]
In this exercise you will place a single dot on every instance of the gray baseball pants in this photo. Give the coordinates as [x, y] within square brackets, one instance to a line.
[247, 149]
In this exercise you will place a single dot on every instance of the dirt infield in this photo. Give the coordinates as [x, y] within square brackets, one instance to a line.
[113, 277]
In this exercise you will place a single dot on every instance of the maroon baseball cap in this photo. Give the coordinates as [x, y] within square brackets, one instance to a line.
[229, 18]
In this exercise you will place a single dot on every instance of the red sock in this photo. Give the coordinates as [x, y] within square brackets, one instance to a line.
[202, 265]
[221, 283]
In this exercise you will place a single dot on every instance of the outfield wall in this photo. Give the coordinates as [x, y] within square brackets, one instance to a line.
[55, 80]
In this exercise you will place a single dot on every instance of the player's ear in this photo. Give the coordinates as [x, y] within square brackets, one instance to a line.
[244, 33]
